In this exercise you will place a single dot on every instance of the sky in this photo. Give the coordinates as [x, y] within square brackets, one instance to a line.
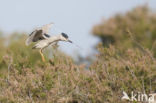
[74, 17]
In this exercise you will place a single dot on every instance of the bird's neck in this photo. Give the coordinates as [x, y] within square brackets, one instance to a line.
[54, 38]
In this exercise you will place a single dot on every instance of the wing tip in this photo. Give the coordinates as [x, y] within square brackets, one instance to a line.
[27, 42]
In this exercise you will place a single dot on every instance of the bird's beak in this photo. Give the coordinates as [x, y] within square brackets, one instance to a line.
[70, 41]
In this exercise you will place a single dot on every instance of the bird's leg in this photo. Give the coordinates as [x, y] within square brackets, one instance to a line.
[43, 59]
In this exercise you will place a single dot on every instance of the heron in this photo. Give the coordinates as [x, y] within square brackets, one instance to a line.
[43, 39]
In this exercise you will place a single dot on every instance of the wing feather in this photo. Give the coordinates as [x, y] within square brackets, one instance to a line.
[39, 34]
[35, 36]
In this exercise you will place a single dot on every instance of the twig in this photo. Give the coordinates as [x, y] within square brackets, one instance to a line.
[143, 85]
[9, 67]
[150, 86]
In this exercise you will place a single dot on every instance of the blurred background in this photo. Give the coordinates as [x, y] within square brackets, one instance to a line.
[74, 17]
[118, 41]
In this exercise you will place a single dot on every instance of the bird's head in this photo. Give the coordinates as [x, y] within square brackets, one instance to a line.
[64, 37]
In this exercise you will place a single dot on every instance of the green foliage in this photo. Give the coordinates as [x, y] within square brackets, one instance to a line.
[60, 80]
[123, 66]
[140, 21]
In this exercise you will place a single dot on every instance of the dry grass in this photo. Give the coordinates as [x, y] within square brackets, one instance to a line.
[25, 79]
[61, 81]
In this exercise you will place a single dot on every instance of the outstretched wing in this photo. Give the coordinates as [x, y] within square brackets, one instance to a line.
[46, 28]
[39, 34]
[35, 36]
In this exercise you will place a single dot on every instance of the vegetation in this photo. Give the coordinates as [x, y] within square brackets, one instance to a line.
[124, 62]
[141, 21]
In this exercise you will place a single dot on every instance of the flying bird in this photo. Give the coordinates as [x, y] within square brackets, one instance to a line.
[43, 39]
[39, 34]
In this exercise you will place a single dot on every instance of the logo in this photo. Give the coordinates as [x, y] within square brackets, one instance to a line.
[125, 96]
[139, 97]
